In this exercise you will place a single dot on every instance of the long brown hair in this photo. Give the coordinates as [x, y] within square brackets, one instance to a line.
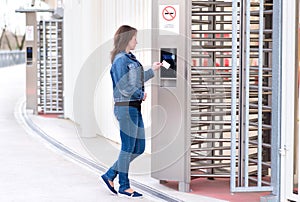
[121, 39]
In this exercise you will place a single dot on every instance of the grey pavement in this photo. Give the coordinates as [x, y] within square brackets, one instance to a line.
[30, 171]
[33, 170]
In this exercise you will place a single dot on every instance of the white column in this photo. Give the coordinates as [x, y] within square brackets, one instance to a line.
[89, 31]
[72, 52]
[288, 98]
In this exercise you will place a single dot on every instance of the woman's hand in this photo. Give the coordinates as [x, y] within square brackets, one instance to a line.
[145, 96]
[156, 65]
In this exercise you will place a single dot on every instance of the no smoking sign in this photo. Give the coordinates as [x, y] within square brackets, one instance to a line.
[169, 13]
[169, 19]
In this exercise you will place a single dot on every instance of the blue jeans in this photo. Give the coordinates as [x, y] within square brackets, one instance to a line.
[133, 143]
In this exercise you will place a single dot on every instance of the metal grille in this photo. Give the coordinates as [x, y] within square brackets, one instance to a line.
[50, 68]
[231, 92]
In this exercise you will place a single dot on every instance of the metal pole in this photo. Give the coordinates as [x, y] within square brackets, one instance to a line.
[50, 56]
[57, 67]
[260, 91]
[276, 97]
[45, 67]
[241, 93]
[246, 109]
[233, 95]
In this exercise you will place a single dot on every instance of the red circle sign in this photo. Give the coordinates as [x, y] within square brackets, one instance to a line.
[169, 13]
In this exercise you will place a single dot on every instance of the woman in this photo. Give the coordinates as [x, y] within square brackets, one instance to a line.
[128, 77]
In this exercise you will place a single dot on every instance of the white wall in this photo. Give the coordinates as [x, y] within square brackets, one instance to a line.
[89, 27]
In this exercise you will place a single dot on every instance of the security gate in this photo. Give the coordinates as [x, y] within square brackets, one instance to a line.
[50, 67]
[231, 92]
[219, 117]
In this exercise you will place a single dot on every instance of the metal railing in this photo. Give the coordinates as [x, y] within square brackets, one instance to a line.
[9, 58]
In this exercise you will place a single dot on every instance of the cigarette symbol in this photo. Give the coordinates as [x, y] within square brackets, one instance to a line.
[169, 13]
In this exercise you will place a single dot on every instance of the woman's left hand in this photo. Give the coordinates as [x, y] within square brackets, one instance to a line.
[145, 96]
[156, 65]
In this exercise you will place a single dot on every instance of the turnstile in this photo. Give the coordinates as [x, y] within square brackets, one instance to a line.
[219, 32]
[211, 89]
[44, 62]
[50, 67]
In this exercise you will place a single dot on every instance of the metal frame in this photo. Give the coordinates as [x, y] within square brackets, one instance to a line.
[252, 112]
[234, 93]
[276, 98]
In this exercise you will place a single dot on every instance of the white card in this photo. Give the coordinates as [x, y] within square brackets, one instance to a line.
[165, 64]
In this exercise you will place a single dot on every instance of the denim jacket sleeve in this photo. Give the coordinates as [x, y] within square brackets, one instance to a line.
[148, 74]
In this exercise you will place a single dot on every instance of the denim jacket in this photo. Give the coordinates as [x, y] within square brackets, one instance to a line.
[128, 77]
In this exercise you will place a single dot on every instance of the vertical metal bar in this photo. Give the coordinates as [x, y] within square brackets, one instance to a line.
[260, 80]
[233, 95]
[50, 69]
[212, 26]
[188, 92]
[247, 81]
[297, 106]
[276, 96]
[298, 156]
[45, 66]
[296, 117]
[213, 108]
[62, 67]
[241, 136]
[221, 118]
[57, 72]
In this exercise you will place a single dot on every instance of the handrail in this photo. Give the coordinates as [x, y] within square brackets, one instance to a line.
[9, 58]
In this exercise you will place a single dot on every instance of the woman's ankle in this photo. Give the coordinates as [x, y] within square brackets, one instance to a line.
[129, 190]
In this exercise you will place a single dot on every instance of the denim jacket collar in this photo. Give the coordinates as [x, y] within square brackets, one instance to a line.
[129, 55]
